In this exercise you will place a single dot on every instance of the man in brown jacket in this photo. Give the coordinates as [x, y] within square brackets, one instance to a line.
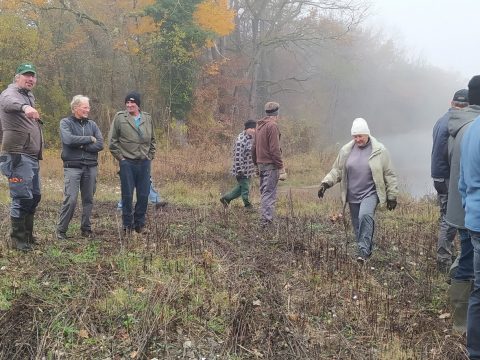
[267, 155]
[21, 152]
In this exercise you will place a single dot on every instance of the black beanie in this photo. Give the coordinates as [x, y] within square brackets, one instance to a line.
[133, 96]
[250, 124]
[474, 90]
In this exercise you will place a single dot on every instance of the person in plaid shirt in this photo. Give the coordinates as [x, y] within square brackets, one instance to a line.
[243, 168]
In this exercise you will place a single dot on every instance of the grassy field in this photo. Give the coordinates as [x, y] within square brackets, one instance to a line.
[205, 283]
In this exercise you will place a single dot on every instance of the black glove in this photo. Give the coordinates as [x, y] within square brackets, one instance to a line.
[441, 187]
[240, 175]
[391, 204]
[323, 188]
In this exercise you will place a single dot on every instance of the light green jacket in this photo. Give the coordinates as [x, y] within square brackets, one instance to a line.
[382, 171]
[126, 141]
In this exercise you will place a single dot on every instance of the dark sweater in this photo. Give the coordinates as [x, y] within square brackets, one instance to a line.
[78, 149]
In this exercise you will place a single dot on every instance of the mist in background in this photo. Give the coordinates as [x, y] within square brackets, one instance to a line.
[388, 78]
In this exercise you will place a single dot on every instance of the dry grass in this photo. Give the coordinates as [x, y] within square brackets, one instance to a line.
[205, 283]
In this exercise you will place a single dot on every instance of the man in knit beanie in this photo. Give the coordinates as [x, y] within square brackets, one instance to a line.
[470, 193]
[440, 172]
[132, 143]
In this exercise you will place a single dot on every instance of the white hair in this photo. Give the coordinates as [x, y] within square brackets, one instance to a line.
[77, 100]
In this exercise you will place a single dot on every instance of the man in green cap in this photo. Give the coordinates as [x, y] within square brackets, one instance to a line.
[21, 152]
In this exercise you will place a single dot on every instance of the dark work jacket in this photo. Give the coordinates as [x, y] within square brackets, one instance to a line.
[78, 150]
[440, 166]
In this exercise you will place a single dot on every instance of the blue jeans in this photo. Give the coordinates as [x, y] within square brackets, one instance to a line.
[363, 222]
[465, 261]
[473, 317]
[134, 175]
[153, 197]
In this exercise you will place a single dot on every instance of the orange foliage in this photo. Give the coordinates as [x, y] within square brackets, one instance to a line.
[142, 25]
[214, 15]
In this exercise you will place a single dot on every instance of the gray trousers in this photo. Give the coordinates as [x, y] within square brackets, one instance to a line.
[268, 194]
[23, 175]
[446, 233]
[85, 180]
[363, 222]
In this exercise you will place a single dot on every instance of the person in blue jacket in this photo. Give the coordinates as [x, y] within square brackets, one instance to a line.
[469, 188]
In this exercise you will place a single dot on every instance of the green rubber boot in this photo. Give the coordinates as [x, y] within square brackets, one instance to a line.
[29, 220]
[19, 234]
[459, 293]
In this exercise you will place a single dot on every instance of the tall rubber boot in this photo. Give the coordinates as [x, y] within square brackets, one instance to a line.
[19, 235]
[459, 293]
[32, 240]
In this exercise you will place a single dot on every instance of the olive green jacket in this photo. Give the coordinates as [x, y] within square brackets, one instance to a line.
[126, 141]
[382, 171]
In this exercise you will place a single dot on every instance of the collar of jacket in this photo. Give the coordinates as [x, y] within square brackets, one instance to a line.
[82, 121]
[376, 146]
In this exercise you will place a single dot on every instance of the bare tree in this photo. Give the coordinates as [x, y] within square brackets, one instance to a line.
[264, 26]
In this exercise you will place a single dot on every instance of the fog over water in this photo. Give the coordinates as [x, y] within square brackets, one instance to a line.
[410, 154]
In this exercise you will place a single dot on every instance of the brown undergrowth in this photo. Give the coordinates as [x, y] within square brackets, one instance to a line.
[205, 283]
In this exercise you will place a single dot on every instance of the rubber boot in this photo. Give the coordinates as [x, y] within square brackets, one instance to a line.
[29, 219]
[19, 234]
[459, 294]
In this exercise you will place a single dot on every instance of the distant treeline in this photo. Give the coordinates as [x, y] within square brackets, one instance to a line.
[212, 65]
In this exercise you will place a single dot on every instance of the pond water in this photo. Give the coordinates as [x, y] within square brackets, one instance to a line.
[411, 158]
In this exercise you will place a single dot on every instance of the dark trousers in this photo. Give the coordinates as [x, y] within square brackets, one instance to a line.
[134, 175]
[465, 261]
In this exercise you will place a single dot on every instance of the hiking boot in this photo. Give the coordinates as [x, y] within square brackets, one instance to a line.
[140, 229]
[224, 202]
[361, 260]
[61, 235]
[161, 204]
[88, 234]
[443, 267]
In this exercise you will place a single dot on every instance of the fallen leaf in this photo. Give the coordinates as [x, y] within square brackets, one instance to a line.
[293, 317]
[257, 303]
[444, 316]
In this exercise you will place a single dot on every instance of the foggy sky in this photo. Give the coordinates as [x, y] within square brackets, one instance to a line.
[441, 32]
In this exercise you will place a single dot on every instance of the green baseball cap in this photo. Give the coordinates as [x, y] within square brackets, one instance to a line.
[26, 68]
